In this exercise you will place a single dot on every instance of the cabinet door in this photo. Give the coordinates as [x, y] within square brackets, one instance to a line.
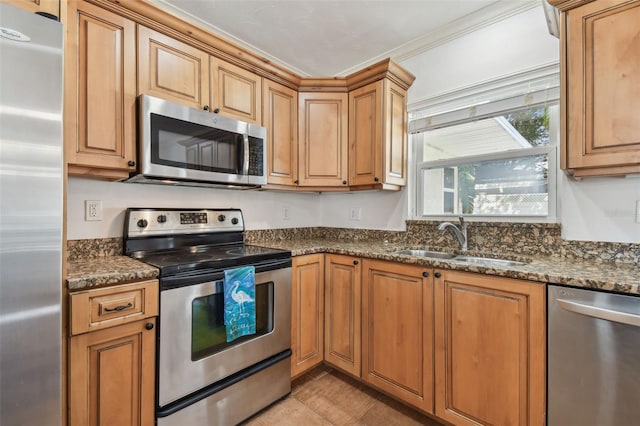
[100, 91]
[307, 310]
[236, 92]
[172, 70]
[46, 6]
[342, 313]
[112, 373]
[323, 139]
[395, 134]
[397, 332]
[365, 134]
[280, 109]
[603, 86]
[490, 350]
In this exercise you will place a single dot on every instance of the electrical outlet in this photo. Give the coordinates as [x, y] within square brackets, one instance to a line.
[92, 210]
[356, 213]
[285, 213]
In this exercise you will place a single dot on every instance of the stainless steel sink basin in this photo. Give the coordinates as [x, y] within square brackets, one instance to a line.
[426, 253]
[478, 260]
[488, 261]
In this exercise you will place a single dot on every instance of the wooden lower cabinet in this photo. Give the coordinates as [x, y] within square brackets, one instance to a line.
[490, 350]
[112, 355]
[112, 376]
[342, 312]
[397, 331]
[307, 311]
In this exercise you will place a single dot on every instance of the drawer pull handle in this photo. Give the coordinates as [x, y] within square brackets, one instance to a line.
[119, 308]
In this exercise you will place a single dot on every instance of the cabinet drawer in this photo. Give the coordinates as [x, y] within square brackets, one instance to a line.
[107, 307]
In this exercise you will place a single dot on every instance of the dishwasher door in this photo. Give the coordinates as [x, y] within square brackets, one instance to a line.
[593, 358]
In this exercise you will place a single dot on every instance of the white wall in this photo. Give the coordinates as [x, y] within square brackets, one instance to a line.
[600, 209]
[261, 209]
[515, 44]
[379, 209]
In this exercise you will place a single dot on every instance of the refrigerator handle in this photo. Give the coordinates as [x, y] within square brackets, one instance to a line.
[600, 313]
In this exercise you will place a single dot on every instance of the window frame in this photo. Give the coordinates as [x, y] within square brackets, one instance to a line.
[416, 184]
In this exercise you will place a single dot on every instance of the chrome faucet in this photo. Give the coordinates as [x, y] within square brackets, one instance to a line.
[459, 232]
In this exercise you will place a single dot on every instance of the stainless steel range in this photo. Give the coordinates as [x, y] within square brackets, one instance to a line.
[202, 378]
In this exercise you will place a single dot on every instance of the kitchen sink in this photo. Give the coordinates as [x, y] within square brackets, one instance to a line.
[427, 253]
[488, 261]
[478, 260]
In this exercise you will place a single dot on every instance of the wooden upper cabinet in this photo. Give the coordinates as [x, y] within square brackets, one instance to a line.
[323, 129]
[601, 73]
[395, 138]
[342, 312]
[100, 91]
[307, 313]
[378, 135]
[236, 92]
[172, 70]
[397, 331]
[490, 348]
[280, 117]
[365, 134]
[47, 6]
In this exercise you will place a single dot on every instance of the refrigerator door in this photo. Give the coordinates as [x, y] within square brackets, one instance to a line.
[31, 208]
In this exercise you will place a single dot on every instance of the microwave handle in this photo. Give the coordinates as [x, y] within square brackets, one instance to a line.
[245, 163]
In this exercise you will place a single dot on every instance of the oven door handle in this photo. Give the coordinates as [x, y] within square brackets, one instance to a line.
[599, 313]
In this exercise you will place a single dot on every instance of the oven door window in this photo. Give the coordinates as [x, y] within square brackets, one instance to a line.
[208, 333]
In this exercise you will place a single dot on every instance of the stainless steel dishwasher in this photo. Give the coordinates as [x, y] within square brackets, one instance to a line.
[593, 358]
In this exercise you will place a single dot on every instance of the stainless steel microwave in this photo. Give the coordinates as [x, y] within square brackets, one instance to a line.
[179, 145]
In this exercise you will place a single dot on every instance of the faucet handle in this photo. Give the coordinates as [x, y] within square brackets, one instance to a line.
[461, 218]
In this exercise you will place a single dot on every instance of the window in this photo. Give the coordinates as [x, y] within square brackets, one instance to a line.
[502, 163]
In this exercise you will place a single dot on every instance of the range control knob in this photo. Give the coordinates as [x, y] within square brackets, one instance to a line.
[221, 218]
[162, 218]
[234, 221]
[142, 223]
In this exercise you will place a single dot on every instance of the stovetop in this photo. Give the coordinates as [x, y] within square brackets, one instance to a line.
[189, 244]
[214, 257]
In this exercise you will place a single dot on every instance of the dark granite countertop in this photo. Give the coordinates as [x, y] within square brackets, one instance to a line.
[100, 271]
[609, 276]
[622, 278]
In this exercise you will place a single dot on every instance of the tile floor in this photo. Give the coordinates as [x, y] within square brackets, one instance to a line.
[326, 397]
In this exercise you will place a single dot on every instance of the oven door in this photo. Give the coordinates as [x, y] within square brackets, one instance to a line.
[193, 349]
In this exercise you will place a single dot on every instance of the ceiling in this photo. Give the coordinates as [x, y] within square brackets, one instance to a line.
[334, 38]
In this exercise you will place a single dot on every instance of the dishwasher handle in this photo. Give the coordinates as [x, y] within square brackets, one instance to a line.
[600, 313]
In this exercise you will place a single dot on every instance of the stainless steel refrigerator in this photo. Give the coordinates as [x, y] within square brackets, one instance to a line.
[31, 206]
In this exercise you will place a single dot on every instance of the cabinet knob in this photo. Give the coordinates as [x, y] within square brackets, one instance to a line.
[425, 274]
[344, 182]
[216, 110]
[296, 181]
[131, 163]
[437, 275]
[376, 179]
[355, 262]
[206, 108]
[149, 326]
